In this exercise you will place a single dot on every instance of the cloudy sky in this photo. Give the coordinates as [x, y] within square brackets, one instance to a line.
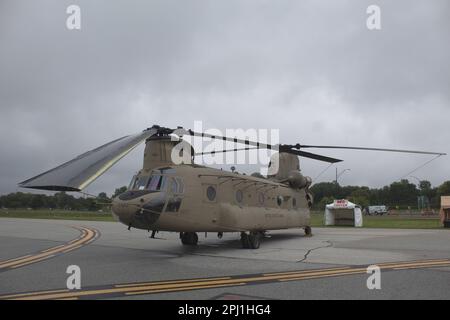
[311, 69]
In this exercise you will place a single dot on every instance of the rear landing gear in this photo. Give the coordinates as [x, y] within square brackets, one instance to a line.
[251, 240]
[308, 231]
[189, 238]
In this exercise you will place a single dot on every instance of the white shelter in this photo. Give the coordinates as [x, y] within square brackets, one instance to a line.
[343, 213]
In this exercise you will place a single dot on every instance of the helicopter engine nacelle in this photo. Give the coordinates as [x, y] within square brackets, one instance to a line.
[297, 180]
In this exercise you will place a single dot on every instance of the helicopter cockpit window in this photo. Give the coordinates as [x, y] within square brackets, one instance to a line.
[157, 182]
[132, 182]
[140, 182]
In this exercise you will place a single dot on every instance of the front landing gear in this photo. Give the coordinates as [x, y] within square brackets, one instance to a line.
[308, 231]
[189, 238]
[251, 240]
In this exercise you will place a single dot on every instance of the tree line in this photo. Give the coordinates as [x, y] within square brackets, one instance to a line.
[400, 194]
[59, 200]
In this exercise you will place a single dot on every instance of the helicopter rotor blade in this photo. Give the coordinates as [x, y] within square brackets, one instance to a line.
[223, 151]
[79, 172]
[295, 149]
[368, 149]
[258, 145]
[313, 156]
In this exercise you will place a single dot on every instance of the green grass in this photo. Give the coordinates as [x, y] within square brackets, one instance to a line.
[403, 222]
[56, 214]
[386, 221]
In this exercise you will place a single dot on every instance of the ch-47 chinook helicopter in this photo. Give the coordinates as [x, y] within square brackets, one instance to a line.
[188, 198]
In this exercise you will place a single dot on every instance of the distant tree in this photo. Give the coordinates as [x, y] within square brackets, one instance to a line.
[103, 196]
[325, 189]
[444, 189]
[360, 196]
[37, 201]
[323, 202]
[119, 191]
[403, 193]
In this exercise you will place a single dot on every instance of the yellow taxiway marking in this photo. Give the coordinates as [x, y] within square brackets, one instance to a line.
[53, 248]
[167, 282]
[33, 293]
[195, 284]
[296, 271]
[87, 235]
[185, 289]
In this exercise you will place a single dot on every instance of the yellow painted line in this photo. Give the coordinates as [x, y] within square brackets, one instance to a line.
[32, 293]
[177, 286]
[323, 275]
[167, 282]
[30, 262]
[191, 284]
[319, 277]
[185, 289]
[48, 253]
[307, 270]
[408, 262]
[15, 259]
[53, 248]
[420, 264]
[423, 266]
[73, 248]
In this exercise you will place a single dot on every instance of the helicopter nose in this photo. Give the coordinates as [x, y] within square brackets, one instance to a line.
[138, 209]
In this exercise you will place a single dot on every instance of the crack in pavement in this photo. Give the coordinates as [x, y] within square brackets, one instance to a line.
[330, 244]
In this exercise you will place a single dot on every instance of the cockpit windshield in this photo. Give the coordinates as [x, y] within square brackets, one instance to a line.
[159, 180]
[140, 183]
[157, 183]
[169, 190]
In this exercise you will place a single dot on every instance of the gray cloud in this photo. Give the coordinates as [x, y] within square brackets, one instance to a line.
[309, 68]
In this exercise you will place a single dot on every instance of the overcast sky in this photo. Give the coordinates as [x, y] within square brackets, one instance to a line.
[309, 68]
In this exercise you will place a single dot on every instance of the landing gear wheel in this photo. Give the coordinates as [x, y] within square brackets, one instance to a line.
[308, 231]
[244, 240]
[189, 238]
[251, 241]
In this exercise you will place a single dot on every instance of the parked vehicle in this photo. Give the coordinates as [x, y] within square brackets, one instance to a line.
[376, 210]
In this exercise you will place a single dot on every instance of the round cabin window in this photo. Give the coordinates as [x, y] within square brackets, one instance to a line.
[280, 200]
[239, 196]
[211, 193]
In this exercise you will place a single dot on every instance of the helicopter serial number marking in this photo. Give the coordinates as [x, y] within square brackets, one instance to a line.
[274, 215]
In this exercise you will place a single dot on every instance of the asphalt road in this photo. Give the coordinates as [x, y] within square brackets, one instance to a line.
[119, 264]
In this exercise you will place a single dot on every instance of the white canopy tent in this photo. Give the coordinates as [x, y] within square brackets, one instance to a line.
[343, 212]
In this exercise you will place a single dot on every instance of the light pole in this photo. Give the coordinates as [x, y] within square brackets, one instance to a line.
[421, 199]
[340, 174]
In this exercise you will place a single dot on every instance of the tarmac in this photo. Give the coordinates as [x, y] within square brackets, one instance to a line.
[117, 263]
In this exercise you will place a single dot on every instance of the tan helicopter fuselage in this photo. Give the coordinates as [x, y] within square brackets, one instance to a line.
[192, 198]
